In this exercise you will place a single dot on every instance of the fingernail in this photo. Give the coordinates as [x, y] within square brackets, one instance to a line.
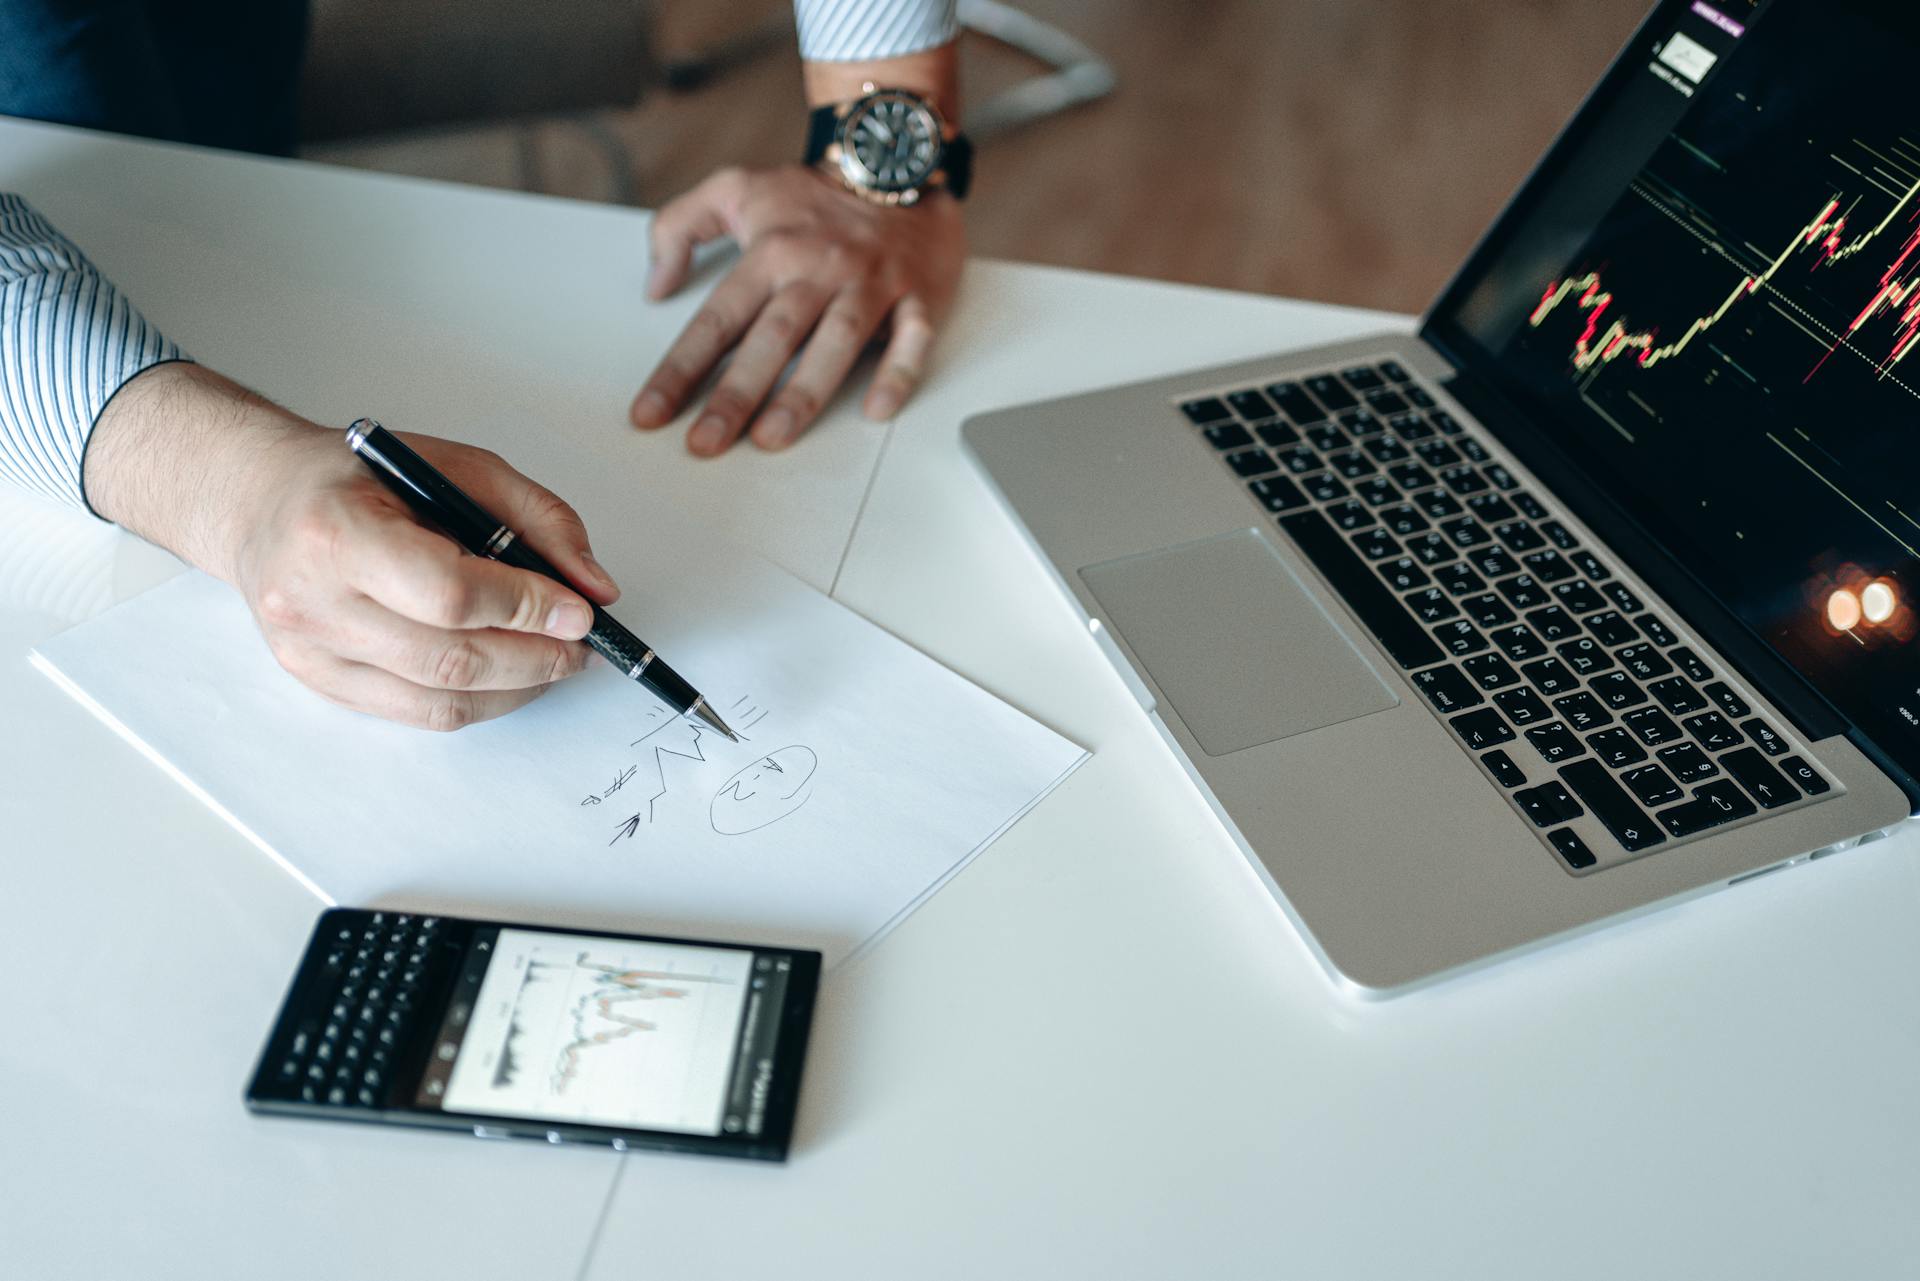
[569, 620]
[776, 428]
[652, 407]
[882, 407]
[708, 433]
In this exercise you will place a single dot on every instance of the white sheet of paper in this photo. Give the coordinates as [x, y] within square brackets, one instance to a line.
[868, 774]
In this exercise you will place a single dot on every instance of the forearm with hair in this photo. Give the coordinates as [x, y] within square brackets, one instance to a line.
[177, 457]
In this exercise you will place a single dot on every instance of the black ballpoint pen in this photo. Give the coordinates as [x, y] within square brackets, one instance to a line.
[442, 502]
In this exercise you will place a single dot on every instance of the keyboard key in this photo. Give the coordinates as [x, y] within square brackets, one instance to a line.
[1623, 600]
[1392, 369]
[1411, 426]
[1686, 762]
[1446, 422]
[1518, 536]
[1689, 662]
[1764, 738]
[1275, 434]
[1494, 562]
[1806, 776]
[1386, 449]
[1459, 580]
[1252, 462]
[1250, 404]
[1447, 689]
[1555, 743]
[1463, 479]
[1553, 624]
[1404, 520]
[1676, 695]
[1362, 378]
[1500, 476]
[1438, 504]
[1504, 771]
[1712, 731]
[1278, 494]
[1571, 848]
[1324, 486]
[1610, 804]
[1431, 548]
[1547, 566]
[1482, 728]
[1529, 506]
[1617, 690]
[1326, 438]
[1559, 535]
[1763, 782]
[1460, 638]
[1589, 564]
[1376, 607]
[1652, 725]
[1487, 610]
[1712, 805]
[1475, 450]
[1228, 435]
[1518, 643]
[1295, 403]
[1551, 677]
[1330, 392]
[1432, 606]
[1376, 544]
[1522, 706]
[1548, 805]
[1646, 662]
[1210, 409]
[1584, 655]
[1651, 784]
[1490, 508]
[1523, 591]
[1657, 632]
[1411, 477]
[1418, 396]
[1616, 748]
[1580, 597]
[1490, 671]
[1350, 515]
[1437, 453]
[1612, 629]
[1465, 532]
[1583, 711]
[1403, 574]
[1387, 402]
[1299, 460]
[1377, 490]
[1352, 465]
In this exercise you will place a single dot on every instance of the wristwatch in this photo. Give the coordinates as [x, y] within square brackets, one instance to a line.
[890, 146]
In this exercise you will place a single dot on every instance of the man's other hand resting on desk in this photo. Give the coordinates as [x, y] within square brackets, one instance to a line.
[355, 597]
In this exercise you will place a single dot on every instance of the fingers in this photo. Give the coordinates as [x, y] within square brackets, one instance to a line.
[769, 344]
[686, 223]
[838, 338]
[904, 361]
[364, 688]
[544, 521]
[712, 332]
[360, 630]
[423, 576]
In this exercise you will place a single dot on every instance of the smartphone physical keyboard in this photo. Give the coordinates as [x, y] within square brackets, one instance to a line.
[1510, 627]
[373, 974]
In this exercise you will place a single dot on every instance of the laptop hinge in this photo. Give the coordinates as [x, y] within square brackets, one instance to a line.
[1786, 688]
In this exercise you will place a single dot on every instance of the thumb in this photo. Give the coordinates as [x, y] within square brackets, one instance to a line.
[685, 223]
[545, 523]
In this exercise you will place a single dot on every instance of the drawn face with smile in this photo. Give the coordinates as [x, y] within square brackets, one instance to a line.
[766, 791]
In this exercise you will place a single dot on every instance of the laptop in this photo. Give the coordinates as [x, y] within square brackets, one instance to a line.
[1598, 592]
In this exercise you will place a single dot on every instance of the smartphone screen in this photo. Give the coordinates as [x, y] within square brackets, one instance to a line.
[616, 1032]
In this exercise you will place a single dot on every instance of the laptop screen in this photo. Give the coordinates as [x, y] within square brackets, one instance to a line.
[1709, 296]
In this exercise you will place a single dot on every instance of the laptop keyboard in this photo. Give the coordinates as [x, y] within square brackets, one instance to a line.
[374, 976]
[1514, 631]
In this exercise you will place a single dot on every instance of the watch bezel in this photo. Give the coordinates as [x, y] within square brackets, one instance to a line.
[854, 171]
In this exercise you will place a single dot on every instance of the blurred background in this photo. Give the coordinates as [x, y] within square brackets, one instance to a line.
[1342, 150]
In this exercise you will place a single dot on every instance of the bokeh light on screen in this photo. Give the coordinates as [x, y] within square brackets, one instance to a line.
[1877, 601]
[1843, 610]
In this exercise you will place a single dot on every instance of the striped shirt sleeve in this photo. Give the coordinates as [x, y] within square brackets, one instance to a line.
[68, 340]
[859, 30]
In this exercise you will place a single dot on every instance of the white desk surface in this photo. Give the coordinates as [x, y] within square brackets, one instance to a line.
[1100, 1052]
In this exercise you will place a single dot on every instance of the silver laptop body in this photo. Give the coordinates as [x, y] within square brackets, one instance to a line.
[1280, 581]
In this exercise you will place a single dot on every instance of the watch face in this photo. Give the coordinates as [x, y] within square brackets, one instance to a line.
[890, 141]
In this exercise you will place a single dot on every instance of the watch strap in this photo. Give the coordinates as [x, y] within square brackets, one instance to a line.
[822, 124]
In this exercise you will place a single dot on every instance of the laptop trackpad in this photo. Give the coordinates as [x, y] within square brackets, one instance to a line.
[1236, 642]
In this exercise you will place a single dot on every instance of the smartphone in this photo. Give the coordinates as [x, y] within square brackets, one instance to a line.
[524, 1031]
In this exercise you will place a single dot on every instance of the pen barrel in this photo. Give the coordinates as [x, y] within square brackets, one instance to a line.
[425, 490]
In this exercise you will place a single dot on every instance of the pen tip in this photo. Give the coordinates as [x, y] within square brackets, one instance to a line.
[712, 719]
